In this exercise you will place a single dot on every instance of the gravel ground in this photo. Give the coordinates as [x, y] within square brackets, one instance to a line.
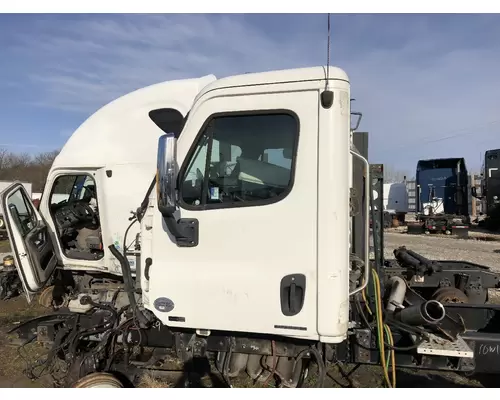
[436, 247]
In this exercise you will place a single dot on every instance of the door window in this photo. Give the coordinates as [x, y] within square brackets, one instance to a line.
[241, 160]
[22, 213]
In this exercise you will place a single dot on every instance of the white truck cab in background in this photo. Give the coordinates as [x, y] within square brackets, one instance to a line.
[396, 201]
[27, 186]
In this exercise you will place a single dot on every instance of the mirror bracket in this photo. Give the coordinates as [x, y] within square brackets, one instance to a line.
[185, 230]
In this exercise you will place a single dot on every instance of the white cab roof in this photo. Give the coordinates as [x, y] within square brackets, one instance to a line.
[122, 132]
[287, 75]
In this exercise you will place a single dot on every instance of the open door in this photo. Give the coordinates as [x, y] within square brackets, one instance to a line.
[31, 243]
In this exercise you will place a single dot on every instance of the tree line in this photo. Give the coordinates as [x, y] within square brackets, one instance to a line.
[34, 168]
[26, 167]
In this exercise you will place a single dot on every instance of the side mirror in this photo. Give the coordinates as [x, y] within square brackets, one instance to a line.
[166, 174]
[355, 125]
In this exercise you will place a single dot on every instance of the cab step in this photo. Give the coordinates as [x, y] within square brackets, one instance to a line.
[442, 347]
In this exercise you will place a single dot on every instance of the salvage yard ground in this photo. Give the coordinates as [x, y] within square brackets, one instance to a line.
[480, 248]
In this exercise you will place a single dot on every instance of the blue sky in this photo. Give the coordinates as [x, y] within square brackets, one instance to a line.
[418, 79]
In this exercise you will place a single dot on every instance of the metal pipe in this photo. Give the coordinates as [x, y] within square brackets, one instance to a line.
[397, 295]
[367, 223]
[428, 313]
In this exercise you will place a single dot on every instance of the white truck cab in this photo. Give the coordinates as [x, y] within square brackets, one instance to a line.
[396, 200]
[250, 217]
[239, 241]
[100, 175]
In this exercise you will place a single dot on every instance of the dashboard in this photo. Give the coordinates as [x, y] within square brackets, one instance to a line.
[74, 215]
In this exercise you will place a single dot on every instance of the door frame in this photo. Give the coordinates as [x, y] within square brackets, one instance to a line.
[44, 209]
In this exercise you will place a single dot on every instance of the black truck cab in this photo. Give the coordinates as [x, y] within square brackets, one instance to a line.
[442, 203]
[491, 180]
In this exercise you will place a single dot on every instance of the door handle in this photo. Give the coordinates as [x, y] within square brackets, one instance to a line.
[292, 298]
[292, 294]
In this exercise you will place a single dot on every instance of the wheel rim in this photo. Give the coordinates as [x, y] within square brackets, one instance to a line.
[99, 380]
[45, 299]
[450, 295]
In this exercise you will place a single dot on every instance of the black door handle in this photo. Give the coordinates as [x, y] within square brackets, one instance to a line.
[292, 298]
[292, 294]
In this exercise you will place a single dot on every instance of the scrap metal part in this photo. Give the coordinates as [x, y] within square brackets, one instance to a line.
[10, 284]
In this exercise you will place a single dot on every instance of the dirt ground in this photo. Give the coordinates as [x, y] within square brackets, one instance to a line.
[12, 312]
[13, 363]
[477, 249]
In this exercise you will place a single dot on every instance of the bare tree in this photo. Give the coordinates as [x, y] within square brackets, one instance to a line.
[26, 168]
[3, 157]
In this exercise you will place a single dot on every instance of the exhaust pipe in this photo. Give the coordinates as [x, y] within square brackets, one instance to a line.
[428, 313]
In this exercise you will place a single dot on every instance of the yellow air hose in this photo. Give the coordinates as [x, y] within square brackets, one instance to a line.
[381, 329]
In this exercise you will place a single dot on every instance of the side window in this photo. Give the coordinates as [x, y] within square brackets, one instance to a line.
[88, 190]
[278, 157]
[21, 212]
[73, 187]
[241, 160]
[63, 186]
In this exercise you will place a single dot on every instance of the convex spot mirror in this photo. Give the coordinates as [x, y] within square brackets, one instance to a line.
[166, 174]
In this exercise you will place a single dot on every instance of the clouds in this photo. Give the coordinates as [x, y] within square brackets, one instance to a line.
[413, 76]
[437, 82]
[88, 62]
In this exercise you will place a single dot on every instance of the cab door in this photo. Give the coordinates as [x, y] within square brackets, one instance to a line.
[30, 241]
[252, 190]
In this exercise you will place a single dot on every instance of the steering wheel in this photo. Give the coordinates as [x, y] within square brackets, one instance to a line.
[83, 212]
